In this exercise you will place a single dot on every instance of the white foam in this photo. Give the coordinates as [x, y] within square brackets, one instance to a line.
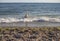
[49, 19]
[10, 20]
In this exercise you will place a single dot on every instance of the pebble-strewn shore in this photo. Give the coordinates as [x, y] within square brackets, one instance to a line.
[30, 34]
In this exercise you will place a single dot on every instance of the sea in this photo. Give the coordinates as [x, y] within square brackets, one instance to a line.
[40, 14]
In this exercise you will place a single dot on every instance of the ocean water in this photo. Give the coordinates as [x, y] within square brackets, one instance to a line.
[40, 14]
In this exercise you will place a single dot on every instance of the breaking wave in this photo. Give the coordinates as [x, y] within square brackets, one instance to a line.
[35, 19]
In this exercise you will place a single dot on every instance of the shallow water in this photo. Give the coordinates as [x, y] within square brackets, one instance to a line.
[30, 24]
[11, 13]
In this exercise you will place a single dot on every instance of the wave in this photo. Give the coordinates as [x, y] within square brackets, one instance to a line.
[35, 19]
[48, 19]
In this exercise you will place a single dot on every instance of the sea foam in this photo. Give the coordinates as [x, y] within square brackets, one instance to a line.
[36, 19]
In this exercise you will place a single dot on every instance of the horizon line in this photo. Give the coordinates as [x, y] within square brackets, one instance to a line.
[29, 2]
